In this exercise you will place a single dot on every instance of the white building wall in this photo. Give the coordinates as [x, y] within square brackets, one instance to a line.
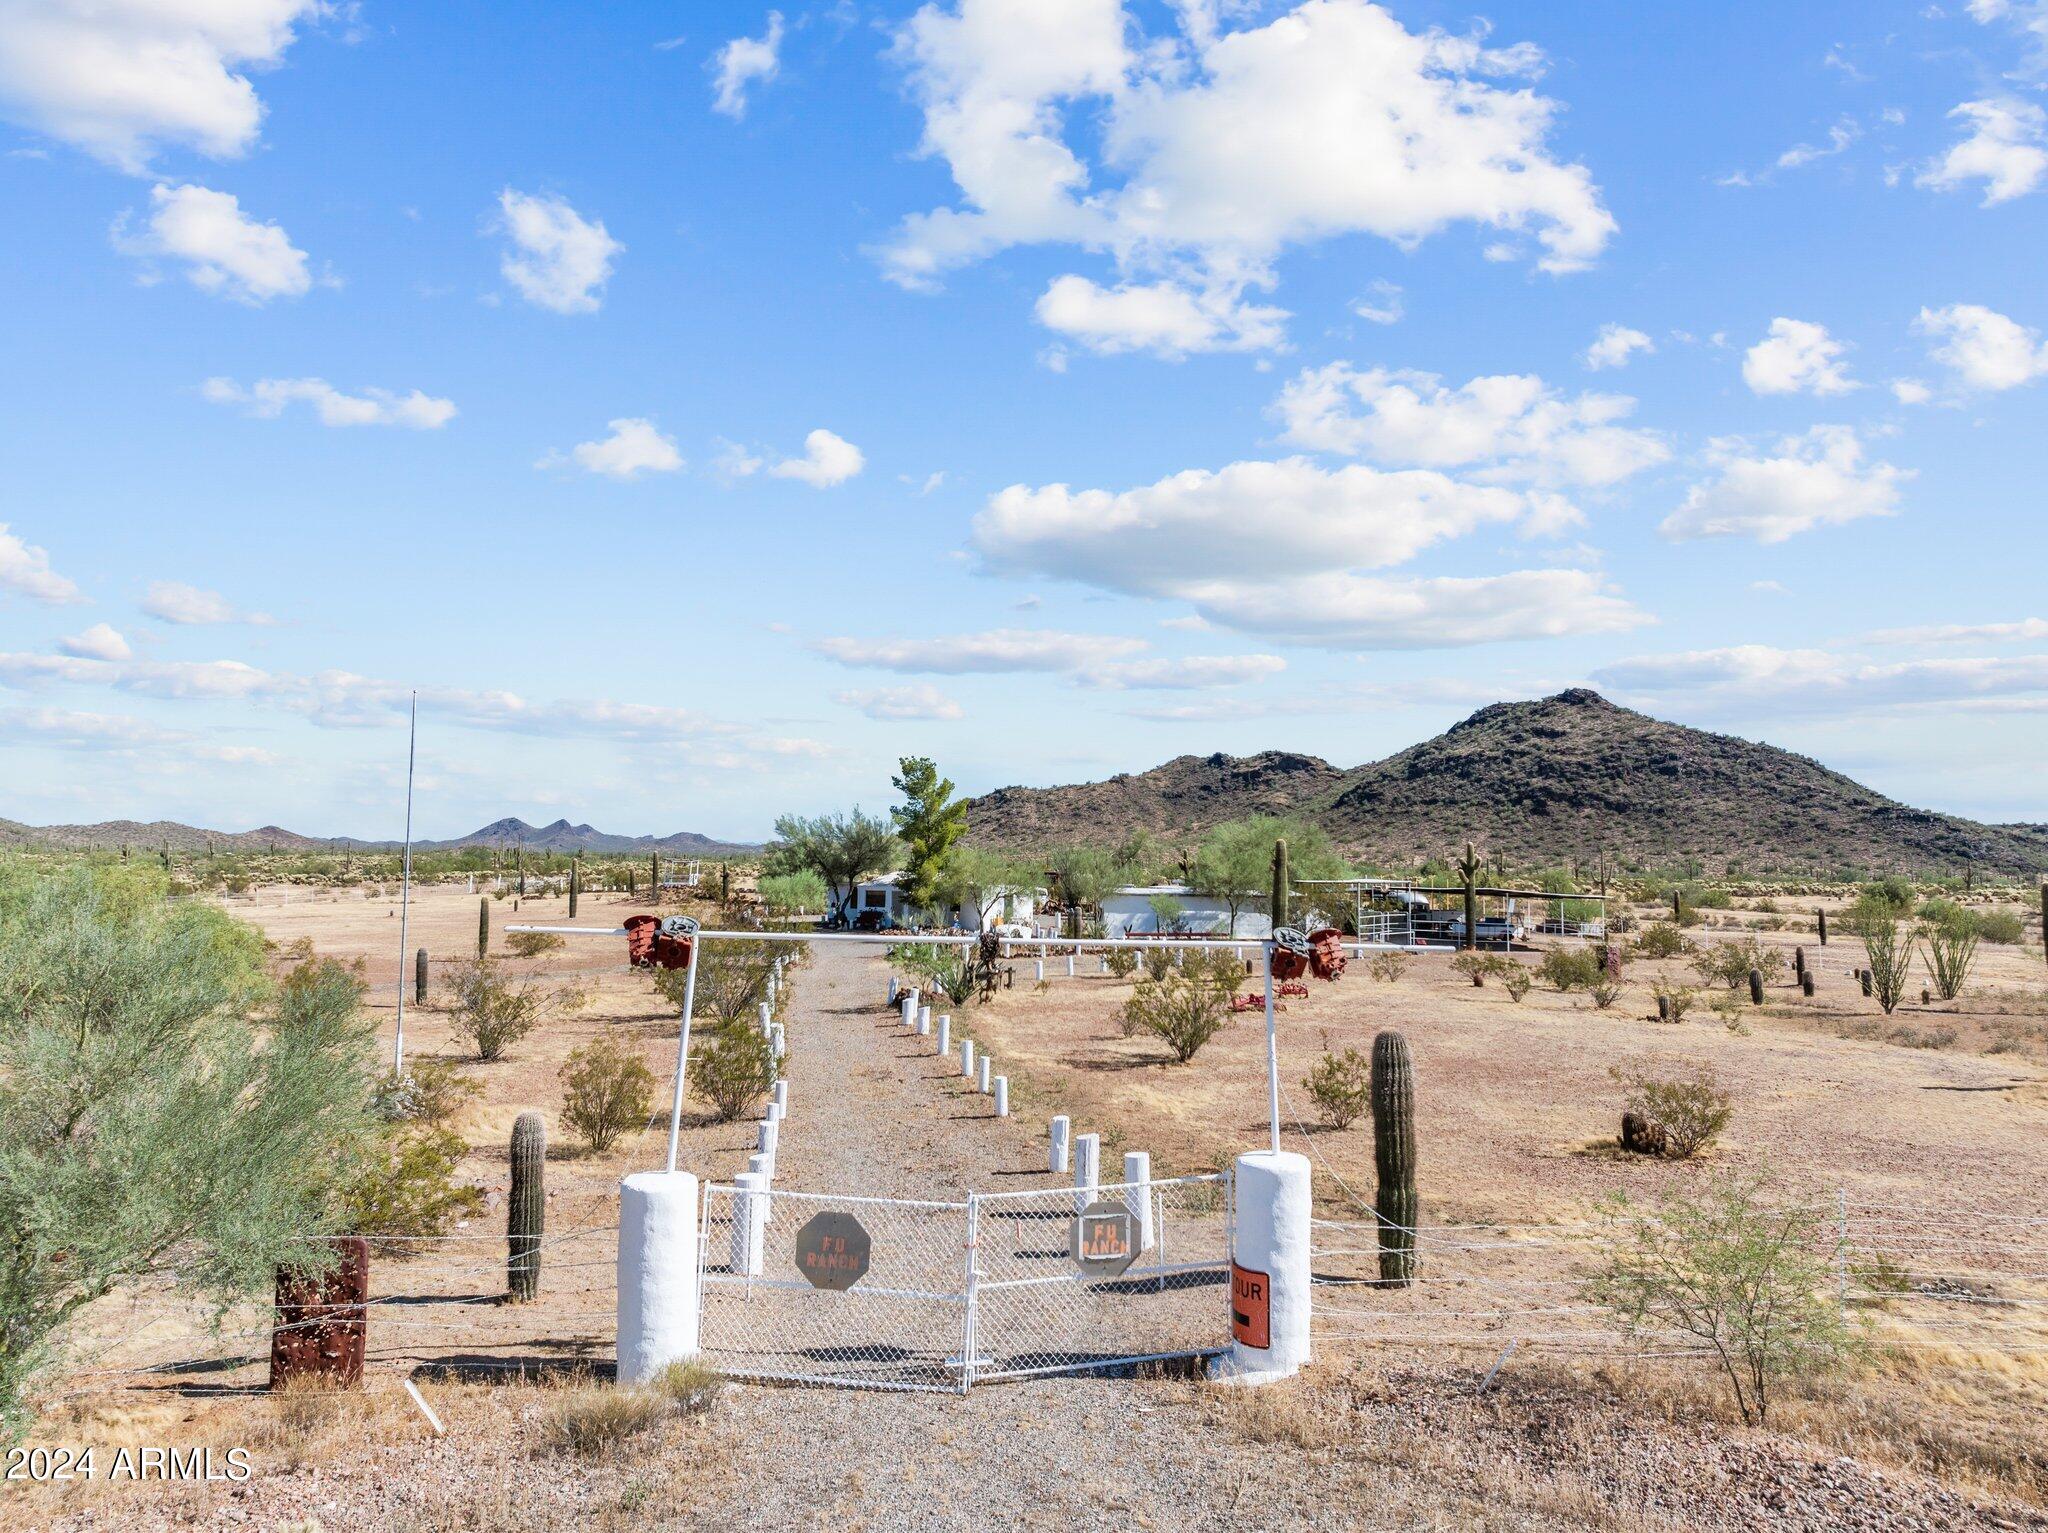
[1129, 913]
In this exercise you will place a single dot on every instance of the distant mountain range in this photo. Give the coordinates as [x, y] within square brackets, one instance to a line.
[1570, 776]
[558, 837]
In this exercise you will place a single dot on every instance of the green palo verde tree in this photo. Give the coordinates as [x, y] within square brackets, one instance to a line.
[929, 822]
[161, 1115]
[1236, 862]
[842, 849]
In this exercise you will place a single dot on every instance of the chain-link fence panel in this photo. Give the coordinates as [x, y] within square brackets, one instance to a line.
[1069, 1279]
[867, 1293]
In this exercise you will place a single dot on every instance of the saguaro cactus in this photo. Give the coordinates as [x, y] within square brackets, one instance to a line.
[1468, 870]
[1756, 987]
[1821, 920]
[1799, 963]
[1806, 982]
[419, 978]
[654, 874]
[483, 927]
[526, 1206]
[1280, 885]
[1393, 1135]
[575, 886]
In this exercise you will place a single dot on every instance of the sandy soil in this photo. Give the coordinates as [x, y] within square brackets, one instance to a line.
[1514, 1102]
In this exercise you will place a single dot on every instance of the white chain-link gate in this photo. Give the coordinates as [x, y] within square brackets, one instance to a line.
[891, 1293]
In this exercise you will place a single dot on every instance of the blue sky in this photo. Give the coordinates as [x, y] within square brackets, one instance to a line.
[702, 406]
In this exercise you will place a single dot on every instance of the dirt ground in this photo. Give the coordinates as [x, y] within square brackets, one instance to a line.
[1928, 1147]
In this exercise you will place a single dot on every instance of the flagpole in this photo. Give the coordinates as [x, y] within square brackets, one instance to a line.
[405, 885]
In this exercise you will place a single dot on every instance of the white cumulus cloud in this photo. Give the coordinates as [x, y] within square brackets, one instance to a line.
[2003, 149]
[1513, 427]
[1983, 348]
[741, 63]
[25, 570]
[1818, 479]
[558, 259]
[223, 250]
[1163, 317]
[828, 460]
[120, 78]
[1755, 678]
[267, 398]
[1615, 345]
[1797, 357]
[636, 446]
[102, 641]
[1216, 146]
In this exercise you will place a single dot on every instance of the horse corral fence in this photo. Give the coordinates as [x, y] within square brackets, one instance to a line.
[897, 1293]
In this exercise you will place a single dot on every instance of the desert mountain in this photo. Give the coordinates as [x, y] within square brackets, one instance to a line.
[558, 837]
[1570, 776]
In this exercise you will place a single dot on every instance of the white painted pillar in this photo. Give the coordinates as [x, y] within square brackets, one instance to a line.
[1061, 1132]
[1038, 968]
[758, 1164]
[657, 1273]
[1138, 1194]
[1270, 1271]
[945, 1038]
[924, 1022]
[773, 1113]
[777, 1041]
[1087, 1169]
[987, 1065]
[1070, 966]
[779, 1095]
[766, 1137]
[1105, 963]
[892, 990]
[967, 1058]
[749, 1222]
[1002, 1096]
[907, 1011]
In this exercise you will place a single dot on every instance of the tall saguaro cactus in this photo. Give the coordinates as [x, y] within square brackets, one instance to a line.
[1393, 1145]
[654, 874]
[1280, 885]
[575, 884]
[526, 1206]
[483, 927]
[419, 978]
[1468, 870]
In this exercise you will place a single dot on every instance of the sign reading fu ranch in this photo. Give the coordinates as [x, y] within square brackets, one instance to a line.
[832, 1252]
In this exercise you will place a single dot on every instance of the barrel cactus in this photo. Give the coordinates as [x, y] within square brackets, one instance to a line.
[1806, 982]
[1393, 1134]
[526, 1206]
[1756, 987]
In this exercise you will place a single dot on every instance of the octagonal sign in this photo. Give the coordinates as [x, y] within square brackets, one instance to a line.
[832, 1251]
[1105, 1239]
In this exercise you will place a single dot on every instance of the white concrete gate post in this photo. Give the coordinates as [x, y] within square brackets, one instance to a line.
[1269, 1270]
[657, 1273]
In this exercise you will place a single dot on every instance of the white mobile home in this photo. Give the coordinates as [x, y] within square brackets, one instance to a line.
[882, 896]
[1147, 909]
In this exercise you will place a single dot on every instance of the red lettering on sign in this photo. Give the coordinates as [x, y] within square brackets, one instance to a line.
[1251, 1307]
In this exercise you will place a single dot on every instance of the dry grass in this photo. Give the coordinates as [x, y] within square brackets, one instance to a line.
[591, 1419]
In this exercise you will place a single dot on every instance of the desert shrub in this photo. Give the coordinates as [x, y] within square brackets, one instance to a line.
[1746, 1278]
[1889, 950]
[1951, 950]
[1568, 969]
[1185, 1009]
[789, 893]
[734, 1070]
[949, 969]
[1474, 966]
[1158, 963]
[403, 1187]
[2003, 927]
[692, 1387]
[1891, 893]
[1605, 992]
[429, 1091]
[1692, 1109]
[1341, 1086]
[1514, 979]
[154, 1122]
[732, 977]
[1389, 966]
[1123, 962]
[607, 1090]
[1923, 1038]
[1707, 899]
[490, 1010]
[1728, 963]
[1660, 939]
[531, 944]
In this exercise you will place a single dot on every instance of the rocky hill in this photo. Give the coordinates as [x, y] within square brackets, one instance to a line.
[1570, 776]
